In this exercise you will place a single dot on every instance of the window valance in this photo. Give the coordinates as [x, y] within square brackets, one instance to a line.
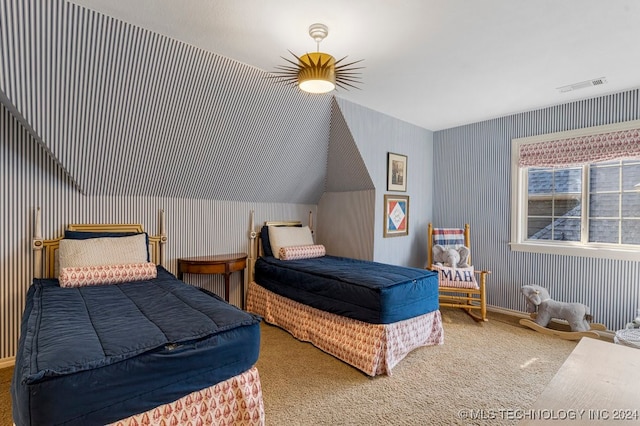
[574, 151]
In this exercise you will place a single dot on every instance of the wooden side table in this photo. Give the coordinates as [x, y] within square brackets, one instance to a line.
[218, 264]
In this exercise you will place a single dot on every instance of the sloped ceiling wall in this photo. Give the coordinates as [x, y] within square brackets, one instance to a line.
[346, 210]
[125, 111]
[346, 170]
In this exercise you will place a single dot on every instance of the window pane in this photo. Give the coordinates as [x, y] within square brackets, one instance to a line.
[604, 205]
[630, 176]
[540, 181]
[631, 232]
[603, 231]
[569, 207]
[555, 204]
[566, 230]
[540, 207]
[567, 180]
[631, 204]
[539, 228]
[605, 179]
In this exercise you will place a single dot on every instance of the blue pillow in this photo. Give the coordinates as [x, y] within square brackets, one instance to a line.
[85, 235]
[266, 244]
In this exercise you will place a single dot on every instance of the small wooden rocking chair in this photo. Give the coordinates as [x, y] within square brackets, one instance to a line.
[471, 300]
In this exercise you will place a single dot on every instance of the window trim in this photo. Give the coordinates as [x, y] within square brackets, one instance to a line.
[519, 203]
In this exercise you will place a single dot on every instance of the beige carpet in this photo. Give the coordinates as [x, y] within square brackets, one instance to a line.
[5, 398]
[492, 366]
[495, 367]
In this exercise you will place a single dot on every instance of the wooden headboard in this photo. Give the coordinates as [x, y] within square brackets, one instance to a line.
[44, 265]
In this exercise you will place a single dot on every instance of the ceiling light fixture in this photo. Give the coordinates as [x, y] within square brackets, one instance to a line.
[318, 72]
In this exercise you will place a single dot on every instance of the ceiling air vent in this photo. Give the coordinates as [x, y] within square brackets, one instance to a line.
[583, 85]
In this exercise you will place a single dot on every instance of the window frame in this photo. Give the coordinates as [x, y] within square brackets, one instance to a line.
[519, 204]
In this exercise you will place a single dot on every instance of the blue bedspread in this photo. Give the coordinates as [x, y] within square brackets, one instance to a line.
[372, 292]
[93, 355]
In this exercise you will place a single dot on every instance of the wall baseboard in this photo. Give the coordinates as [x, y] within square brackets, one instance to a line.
[507, 311]
[7, 362]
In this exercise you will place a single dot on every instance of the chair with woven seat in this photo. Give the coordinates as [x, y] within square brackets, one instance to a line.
[467, 294]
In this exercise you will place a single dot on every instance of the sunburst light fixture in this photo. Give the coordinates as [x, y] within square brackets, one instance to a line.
[319, 72]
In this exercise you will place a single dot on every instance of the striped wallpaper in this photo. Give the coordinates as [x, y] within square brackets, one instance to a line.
[346, 221]
[103, 121]
[474, 182]
[346, 170]
[375, 135]
[107, 98]
[31, 179]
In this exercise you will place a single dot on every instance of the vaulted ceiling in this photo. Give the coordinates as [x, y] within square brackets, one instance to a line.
[127, 111]
[433, 63]
[156, 97]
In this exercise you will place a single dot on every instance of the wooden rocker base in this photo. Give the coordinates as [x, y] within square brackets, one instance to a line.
[473, 310]
[476, 316]
[564, 334]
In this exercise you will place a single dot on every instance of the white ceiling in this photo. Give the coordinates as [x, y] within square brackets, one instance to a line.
[433, 63]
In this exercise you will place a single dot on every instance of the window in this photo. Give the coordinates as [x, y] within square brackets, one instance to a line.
[554, 204]
[563, 203]
[614, 203]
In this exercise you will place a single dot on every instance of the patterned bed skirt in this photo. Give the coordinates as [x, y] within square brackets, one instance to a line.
[236, 401]
[373, 348]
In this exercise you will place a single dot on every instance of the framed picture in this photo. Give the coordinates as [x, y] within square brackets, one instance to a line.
[396, 215]
[396, 172]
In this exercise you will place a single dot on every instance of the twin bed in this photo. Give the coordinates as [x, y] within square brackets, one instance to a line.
[368, 314]
[109, 336]
[142, 348]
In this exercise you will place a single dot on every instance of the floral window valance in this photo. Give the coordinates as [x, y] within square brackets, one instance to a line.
[618, 145]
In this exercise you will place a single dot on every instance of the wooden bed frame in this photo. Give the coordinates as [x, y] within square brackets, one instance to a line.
[235, 400]
[255, 244]
[371, 348]
[45, 251]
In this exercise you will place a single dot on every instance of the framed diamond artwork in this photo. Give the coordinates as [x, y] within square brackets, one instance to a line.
[396, 215]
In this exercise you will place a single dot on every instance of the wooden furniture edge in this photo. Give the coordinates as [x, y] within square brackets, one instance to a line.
[222, 264]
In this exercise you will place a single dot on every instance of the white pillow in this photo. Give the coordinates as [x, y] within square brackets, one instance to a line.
[458, 277]
[285, 236]
[102, 251]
